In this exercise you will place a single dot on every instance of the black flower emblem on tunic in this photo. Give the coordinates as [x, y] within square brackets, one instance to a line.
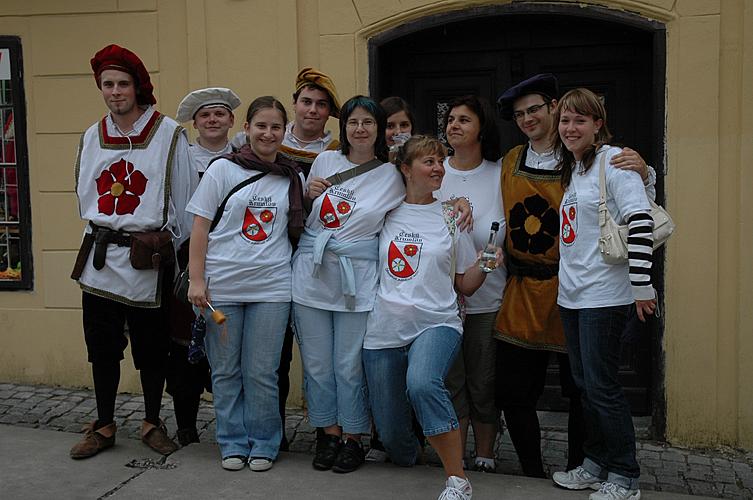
[533, 225]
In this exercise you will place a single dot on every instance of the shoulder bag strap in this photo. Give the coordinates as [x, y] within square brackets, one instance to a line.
[221, 208]
[603, 210]
[354, 172]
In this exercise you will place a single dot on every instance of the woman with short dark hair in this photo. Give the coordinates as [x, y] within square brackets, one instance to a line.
[335, 280]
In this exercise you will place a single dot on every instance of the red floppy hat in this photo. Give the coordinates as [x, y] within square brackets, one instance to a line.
[116, 57]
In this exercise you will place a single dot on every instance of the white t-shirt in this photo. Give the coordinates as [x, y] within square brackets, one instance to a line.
[416, 291]
[354, 211]
[480, 187]
[201, 156]
[248, 256]
[585, 280]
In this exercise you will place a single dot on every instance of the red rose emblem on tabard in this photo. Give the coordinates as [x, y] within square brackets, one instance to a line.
[119, 187]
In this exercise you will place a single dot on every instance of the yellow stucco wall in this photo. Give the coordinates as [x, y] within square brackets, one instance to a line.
[256, 48]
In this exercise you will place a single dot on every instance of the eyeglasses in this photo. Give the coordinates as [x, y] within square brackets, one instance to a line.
[365, 123]
[531, 110]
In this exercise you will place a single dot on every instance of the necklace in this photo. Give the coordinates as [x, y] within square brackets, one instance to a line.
[462, 173]
[303, 141]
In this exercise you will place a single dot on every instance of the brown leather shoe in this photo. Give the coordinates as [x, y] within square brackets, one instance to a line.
[94, 441]
[156, 438]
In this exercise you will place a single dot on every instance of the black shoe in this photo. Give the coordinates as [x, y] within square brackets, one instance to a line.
[284, 443]
[483, 467]
[350, 458]
[187, 436]
[327, 449]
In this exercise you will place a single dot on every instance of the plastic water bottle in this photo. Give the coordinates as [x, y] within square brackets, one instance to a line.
[488, 261]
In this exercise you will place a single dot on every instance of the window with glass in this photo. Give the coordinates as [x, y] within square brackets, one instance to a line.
[15, 214]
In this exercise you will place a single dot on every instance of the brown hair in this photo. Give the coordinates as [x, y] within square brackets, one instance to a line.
[395, 104]
[584, 102]
[266, 102]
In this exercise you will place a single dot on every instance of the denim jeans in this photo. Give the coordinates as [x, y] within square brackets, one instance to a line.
[330, 344]
[593, 344]
[412, 375]
[244, 354]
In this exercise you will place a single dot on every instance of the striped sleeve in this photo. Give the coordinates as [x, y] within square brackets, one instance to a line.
[640, 246]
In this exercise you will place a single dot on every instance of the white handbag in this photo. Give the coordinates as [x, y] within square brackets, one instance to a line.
[613, 239]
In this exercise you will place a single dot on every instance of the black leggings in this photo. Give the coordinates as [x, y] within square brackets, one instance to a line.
[106, 340]
[521, 375]
[185, 383]
[106, 379]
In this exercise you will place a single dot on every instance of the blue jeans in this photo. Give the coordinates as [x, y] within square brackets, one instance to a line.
[330, 344]
[593, 345]
[244, 354]
[412, 375]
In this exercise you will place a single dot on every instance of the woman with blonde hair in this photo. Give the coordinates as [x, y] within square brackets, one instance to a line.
[414, 331]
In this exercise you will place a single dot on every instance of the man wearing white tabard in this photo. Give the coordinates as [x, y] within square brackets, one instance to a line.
[132, 175]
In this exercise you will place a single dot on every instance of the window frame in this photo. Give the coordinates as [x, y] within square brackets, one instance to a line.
[13, 43]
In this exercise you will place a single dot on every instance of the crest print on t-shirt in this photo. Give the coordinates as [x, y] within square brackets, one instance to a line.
[259, 219]
[404, 255]
[569, 219]
[337, 206]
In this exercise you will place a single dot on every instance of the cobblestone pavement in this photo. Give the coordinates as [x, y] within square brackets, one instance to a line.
[722, 472]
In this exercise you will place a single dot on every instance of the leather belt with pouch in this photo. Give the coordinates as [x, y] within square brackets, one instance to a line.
[148, 249]
[151, 249]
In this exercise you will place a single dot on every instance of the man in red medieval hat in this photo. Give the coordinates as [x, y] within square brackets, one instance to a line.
[133, 181]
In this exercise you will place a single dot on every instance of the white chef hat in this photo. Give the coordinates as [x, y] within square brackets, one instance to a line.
[202, 98]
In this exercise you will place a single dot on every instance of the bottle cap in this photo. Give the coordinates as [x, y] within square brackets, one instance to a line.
[495, 226]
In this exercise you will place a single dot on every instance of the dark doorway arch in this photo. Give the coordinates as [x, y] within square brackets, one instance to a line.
[486, 50]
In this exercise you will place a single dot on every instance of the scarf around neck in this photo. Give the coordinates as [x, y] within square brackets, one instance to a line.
[246, 158]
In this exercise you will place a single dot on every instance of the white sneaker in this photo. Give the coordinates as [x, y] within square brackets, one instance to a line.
[612, 491]
[457, 488]
[375, 455]
[259, 464]
[233, 463]
[576, 479]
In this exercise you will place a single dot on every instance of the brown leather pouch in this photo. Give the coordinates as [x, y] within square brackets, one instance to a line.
[152, 249]
[83, 254]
